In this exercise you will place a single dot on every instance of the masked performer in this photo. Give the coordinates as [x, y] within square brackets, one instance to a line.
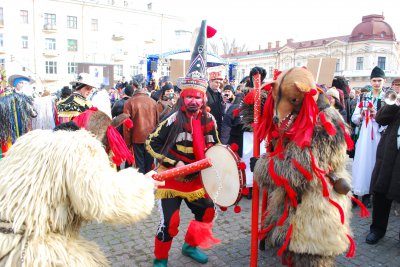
[181, 139]
[51, 182]
[16, 112]
[77, 102]
[304, 171]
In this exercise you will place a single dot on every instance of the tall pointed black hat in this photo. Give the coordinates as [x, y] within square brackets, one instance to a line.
[196, 76]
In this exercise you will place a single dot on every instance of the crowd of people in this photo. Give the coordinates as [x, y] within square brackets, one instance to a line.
[159, 125]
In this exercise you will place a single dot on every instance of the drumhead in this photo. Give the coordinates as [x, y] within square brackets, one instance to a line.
[222, 181]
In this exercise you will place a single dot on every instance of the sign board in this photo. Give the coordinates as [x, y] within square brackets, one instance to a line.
[323, 69]
[103, 72]
[178, 68]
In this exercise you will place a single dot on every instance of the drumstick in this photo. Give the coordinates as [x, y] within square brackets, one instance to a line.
[183, 170]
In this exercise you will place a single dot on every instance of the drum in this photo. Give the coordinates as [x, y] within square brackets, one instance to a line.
[223, 181]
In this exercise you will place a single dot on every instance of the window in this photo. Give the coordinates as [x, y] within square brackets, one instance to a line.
[72, 45]
[24, 16]
[360, 63]
[118, 70]
[50, 44]
[134, 70]
[49, 19]
[95, 25]
[382, 62]
[1, 40]
[1, 16]
[72, 68]
[51, 67]
[24, 41]
[72, 22]
[337, 69]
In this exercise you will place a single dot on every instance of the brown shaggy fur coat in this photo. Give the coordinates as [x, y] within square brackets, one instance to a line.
[53, 182]
[317, 232]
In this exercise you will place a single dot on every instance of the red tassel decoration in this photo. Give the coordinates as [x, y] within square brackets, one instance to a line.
[249, 98]
[334, 203]
[237, 209]
[276, 178]
[320, 174]
[263, 232]
[285, 213]
[128, 123]
[118, 147]
[234, 147]
[330, 129]
[302, 170]
[349, 141]
[236, 112]
[352, 248]
[287, 239]
[291, 193]
[363, 210]
[242, 166]
[223, 209]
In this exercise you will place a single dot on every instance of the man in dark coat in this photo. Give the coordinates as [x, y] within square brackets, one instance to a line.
[214, 97]
[385, 181]
[231, 131]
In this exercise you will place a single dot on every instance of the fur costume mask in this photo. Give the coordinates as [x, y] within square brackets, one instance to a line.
[51, 182]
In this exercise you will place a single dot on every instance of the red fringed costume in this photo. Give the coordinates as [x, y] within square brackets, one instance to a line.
[304, 171]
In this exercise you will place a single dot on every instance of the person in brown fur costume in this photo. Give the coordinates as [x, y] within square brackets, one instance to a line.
[304, 171]
[52, 182]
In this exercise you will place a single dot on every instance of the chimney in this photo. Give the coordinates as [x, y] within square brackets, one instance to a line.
[289, 41]
[269, 45]
[277, 44]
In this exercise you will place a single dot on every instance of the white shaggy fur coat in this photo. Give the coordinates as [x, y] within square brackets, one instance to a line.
[51, 183]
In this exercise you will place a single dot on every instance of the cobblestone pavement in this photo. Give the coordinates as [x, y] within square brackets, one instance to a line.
[132, 245]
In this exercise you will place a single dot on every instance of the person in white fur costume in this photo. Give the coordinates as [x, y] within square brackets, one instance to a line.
[51, 182]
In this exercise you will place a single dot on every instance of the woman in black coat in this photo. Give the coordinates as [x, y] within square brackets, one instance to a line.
[385, 181]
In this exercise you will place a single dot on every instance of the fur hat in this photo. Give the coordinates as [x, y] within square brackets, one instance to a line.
[333, 92]
[377, 73]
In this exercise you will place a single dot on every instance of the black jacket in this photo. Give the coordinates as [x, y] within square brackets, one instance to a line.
[386, 174]
[215, 104]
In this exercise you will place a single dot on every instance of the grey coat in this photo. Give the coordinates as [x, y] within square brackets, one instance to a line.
[386, 175]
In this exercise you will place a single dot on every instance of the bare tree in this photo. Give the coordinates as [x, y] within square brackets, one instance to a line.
[224, 46]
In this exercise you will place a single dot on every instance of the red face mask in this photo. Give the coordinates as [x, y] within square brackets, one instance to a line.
[193, 103]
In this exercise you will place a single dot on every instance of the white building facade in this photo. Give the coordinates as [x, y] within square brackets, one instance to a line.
[45, 39]
[371, 43]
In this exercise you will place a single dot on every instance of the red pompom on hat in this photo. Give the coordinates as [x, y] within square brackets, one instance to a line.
[211, 32]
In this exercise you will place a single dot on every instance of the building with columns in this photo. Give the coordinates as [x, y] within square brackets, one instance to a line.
[46, 39]
[371, 43]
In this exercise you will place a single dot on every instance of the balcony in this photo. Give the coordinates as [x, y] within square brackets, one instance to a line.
[51, 53]
[49, 28]
[118, 37]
